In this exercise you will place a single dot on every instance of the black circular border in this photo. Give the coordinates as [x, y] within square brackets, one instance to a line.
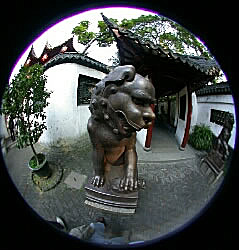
[215, 24]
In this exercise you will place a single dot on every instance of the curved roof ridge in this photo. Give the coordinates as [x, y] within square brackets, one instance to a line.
[50, 52]
[200, 63]
[215, 89]
[74, 57]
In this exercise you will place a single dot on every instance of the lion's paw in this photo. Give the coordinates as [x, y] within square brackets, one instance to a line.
[129, 183]
[98, 181]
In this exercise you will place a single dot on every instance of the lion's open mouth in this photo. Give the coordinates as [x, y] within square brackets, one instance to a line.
[126, 125]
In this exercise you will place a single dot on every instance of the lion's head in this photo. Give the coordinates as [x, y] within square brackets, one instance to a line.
[122, 100]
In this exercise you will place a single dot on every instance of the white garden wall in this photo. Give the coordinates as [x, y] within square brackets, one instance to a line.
[181, 124]
[219, 102]
[194, 111]
[66, 120]
[3, 129]
[141, 136]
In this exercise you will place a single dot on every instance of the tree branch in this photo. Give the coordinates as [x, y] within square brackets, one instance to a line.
[89, 44]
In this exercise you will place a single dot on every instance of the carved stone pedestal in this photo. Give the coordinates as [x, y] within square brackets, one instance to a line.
[212, 166]
[110, 197]
[110, 201]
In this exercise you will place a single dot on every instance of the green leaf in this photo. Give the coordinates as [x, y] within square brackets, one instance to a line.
[201, 137]
[154, 28]
[24, 100]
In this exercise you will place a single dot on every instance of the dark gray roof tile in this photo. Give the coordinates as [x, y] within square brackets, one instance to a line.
[76, 58]
[205, 65]
[215, 89]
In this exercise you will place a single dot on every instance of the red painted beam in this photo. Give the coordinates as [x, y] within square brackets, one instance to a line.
[188, 122]
[149, 133]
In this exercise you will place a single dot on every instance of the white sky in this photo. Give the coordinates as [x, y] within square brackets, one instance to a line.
[61, 32]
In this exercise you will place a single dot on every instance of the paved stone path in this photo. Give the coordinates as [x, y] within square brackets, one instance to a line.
[175, 192]
[164, 147]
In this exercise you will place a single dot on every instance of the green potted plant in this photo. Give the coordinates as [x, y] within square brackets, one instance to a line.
[201, 138]
[24, 101]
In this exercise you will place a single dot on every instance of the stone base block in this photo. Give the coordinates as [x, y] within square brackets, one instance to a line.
[209, 169]
[110, 197]
[110, 208]
[118, 201]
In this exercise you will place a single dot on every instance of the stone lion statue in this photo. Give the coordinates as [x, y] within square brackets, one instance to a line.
[120, 105]
[221, 145]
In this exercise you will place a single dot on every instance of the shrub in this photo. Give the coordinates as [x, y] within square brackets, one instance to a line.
[24, 102]
[201, 138]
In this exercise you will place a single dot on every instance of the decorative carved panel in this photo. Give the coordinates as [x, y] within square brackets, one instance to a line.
[219, 117]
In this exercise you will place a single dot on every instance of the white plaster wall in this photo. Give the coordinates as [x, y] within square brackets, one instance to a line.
[173, 110]
[65, 120]
[194, 111]
[176, 111]
[181, 124]
[141, 136]
[219, 102]
[3, 129]
[165, 107]
[83, 116]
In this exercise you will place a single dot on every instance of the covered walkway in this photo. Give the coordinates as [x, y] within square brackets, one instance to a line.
[164, 147]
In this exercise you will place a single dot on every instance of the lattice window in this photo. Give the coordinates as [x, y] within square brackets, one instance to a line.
[219, 117]
[84, 90]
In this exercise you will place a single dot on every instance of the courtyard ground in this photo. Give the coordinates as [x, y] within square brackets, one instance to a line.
[175, 190]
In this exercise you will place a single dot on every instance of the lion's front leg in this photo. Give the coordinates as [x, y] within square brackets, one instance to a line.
[130, 179]
[98, 162]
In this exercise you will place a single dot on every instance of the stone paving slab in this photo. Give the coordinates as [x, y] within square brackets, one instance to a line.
[164, 148]
[75, 180]
[164, 155]
[175, 192]
[119, 210]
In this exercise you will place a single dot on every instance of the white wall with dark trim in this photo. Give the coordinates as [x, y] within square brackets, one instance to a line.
[65, 120]
[141, 136]
[218, 102]
[181, 124]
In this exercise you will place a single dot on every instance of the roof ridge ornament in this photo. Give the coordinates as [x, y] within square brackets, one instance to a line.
[48, 45]
[199, 63]
[32, 52]
[109, 23]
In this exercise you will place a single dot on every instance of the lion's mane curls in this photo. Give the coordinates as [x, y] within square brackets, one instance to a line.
[107, 86]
